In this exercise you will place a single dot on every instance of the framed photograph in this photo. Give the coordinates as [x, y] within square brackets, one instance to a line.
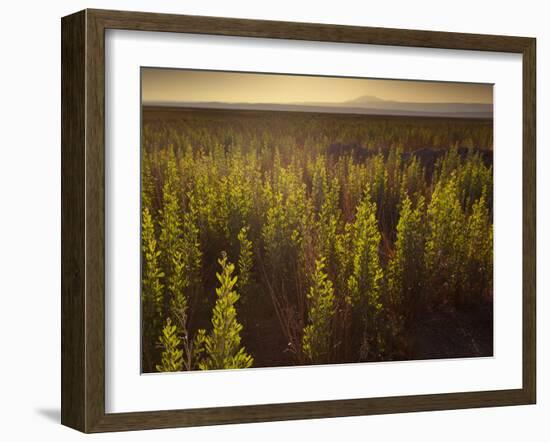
[267, 221]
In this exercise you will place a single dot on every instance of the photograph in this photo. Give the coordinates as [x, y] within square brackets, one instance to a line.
[291, 220]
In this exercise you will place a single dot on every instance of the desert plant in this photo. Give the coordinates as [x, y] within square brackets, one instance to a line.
[279, 192]
[405, 272]
[479, 254]
[317, 333]
[172, 356]
[222, 346]
[445, 243]
[152, 287]
[244, 281]
[366, 277]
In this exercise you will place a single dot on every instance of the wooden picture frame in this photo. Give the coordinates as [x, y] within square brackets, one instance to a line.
[83, 218]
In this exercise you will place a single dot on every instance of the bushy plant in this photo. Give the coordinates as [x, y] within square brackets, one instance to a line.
[245, 281]
[317, 333]
[446, 243]
[152, 287]
[399, 236]
[405, 272]
[366, 277]
[172, 356]
[222, 346]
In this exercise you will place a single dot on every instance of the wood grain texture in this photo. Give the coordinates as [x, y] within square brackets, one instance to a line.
[529, 221]
[83, 218]
[95, 222]
[73, 129]
[143, 21]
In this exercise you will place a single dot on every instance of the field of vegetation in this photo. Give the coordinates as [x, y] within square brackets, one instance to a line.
[278, 238]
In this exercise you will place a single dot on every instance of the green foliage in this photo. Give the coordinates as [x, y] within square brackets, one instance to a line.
[475, 180]
[413, 183]
[399, 237]
[366, 277]
[170, 240]
[364, 281]
[172, 356]
[447, 165]
[152, 288]
[446, 242]
[190, 249]
[405, 273]
[286, 235]
[479, 254]
[238, 196]
[321, 299]
[326, 200]
[287, 222]
[245, 263]
[222, 346]
[147, 183]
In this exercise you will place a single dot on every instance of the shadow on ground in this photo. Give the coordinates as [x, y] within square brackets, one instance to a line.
[51, 414]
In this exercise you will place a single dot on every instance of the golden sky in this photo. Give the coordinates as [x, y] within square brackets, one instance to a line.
[179, 85]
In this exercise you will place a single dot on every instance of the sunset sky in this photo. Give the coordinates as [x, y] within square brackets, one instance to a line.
[184, 86]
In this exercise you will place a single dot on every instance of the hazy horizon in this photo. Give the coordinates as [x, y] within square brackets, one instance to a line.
[173, 86]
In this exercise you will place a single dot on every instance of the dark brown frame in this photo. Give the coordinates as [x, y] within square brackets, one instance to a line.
[83, 215]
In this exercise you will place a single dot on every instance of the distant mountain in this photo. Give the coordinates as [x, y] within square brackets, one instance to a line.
[367, 105]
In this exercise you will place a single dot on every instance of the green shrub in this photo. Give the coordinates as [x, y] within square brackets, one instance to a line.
[317, 334]
[172, 356]
[222, 346]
